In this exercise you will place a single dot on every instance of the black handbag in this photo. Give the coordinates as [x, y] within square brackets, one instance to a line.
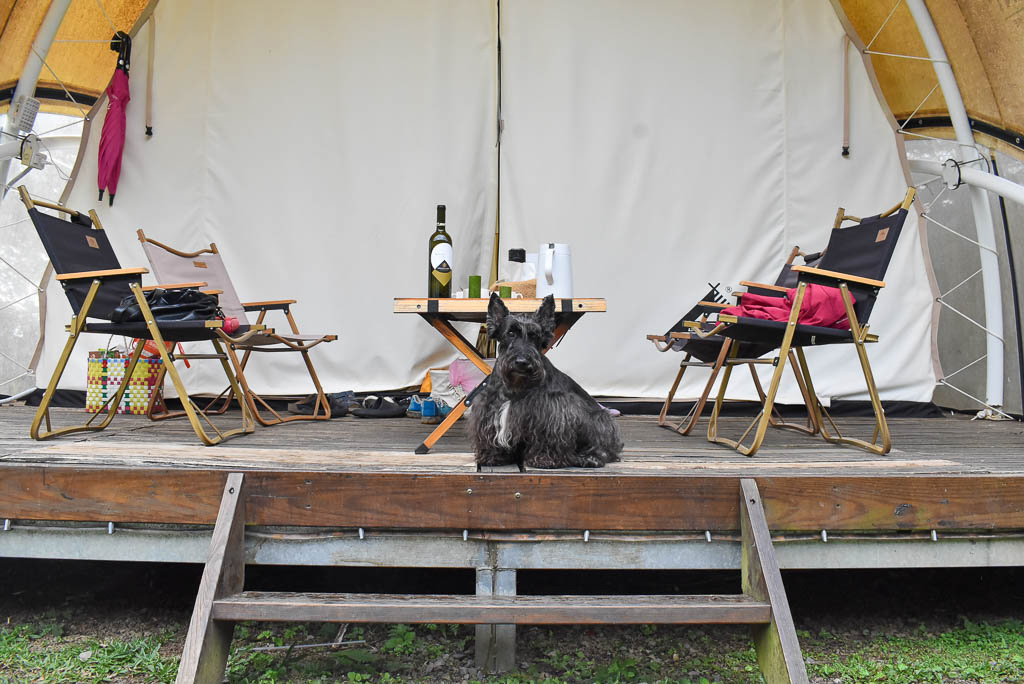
[169, 305]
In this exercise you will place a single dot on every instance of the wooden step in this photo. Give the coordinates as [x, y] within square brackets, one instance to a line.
[470, 609]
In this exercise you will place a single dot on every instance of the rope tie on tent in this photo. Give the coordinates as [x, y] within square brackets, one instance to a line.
[149, 76]
[57, 78]
[104, 10]
[846, 96]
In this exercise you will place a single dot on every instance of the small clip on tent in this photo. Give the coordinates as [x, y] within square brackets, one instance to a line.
[112, 137]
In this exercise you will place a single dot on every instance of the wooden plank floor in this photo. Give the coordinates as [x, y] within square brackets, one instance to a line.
[934, 446]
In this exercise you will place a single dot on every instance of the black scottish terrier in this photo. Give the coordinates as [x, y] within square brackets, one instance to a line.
[529, 412]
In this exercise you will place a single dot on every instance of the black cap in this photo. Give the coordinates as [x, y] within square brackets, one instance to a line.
[518, 255]
[440, 213]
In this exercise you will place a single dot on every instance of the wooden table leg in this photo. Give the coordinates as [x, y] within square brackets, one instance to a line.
[456, 339]
[439, 431]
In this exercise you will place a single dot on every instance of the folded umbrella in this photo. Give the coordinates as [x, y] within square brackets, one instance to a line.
[112, 137]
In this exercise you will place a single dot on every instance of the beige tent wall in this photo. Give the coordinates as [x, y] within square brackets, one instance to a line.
[377, 114]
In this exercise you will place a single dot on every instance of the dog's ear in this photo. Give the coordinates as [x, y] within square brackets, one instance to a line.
[546, 317]
[496, 312]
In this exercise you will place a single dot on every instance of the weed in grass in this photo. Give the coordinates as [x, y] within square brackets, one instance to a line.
[401, 640]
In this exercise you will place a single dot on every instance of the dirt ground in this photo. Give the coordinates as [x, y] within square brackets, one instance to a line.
[837, 614]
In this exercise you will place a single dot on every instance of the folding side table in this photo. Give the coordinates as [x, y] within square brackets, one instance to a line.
[441, 313]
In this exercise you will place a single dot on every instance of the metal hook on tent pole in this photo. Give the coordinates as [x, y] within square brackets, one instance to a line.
[951, 176]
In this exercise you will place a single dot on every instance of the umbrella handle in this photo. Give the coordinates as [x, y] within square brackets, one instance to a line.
[121, 43]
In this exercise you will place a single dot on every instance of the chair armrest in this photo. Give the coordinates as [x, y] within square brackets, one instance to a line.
[173, 286]
[820, 274]
[764, 286]
[268, 306]
[109, 273]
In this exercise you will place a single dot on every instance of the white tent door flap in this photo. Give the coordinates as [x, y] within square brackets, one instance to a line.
[668, 143]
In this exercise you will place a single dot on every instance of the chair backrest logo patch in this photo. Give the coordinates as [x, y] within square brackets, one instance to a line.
[91, 241]
[199, 264]
[882, 234]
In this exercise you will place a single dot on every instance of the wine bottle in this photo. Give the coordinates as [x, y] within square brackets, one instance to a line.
[439, 263]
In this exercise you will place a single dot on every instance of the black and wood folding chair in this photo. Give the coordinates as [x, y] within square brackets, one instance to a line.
[170, 264]
[711, 351]
[95, 284]
[854, 262]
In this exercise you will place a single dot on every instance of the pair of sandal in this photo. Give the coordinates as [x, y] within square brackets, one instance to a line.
[341, 403]
[379, 407]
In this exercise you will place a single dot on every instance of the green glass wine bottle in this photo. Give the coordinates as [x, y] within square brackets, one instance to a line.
[439, 263]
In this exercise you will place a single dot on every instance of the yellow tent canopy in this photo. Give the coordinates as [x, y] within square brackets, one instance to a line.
[982, 38]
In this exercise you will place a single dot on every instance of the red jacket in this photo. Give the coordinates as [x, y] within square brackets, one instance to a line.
[822, 306]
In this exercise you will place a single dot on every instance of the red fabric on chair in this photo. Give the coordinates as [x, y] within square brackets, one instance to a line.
[822, 306]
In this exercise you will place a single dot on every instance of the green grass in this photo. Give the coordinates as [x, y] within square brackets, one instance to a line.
[972, 652]
[976, 652]
[43, 653]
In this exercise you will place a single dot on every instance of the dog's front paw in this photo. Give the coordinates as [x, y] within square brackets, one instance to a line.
[495, 458]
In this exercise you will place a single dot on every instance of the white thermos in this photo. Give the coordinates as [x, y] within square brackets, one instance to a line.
[554, 270]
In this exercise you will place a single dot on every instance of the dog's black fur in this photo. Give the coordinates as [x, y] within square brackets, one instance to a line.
[530, 413]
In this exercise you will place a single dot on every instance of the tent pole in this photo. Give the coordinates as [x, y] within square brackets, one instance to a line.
[30, 75]
[968, 152]
[1001, 186]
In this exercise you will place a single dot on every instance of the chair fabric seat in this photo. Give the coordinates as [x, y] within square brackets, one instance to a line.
[172, 331]
[267, 340]
[707, 349]
[769, 333]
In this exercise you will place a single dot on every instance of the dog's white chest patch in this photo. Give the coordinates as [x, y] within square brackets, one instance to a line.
[504, 435]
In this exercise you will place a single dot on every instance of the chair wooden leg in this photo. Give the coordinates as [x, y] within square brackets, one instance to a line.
[720, 397]
[690, 420]
[812, 426]
[881, 440]
[763, 419]
[672, 393]
[194, 413]
[43, 412]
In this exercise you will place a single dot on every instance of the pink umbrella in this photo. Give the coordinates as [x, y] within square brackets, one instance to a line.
[112, 137]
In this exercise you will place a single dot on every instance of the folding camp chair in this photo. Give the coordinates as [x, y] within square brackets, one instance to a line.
[95, 284]
[206, 264]
[854, 262]
[712, 351]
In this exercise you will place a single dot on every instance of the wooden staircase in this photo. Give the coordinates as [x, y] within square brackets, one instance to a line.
[222, 601]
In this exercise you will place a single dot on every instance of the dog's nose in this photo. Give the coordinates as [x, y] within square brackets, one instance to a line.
[520, 363]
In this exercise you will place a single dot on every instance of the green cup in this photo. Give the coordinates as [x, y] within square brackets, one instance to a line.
[505, 292]
[474, 287]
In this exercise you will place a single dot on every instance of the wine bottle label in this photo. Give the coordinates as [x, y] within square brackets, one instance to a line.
[440, 262]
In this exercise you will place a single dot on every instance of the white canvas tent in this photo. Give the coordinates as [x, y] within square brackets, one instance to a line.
[669, 143]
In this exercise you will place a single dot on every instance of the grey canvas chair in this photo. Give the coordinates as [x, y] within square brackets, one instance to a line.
[206, 265]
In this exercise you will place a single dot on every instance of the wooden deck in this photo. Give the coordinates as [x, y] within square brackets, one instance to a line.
[948, 446]
[945, 473]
